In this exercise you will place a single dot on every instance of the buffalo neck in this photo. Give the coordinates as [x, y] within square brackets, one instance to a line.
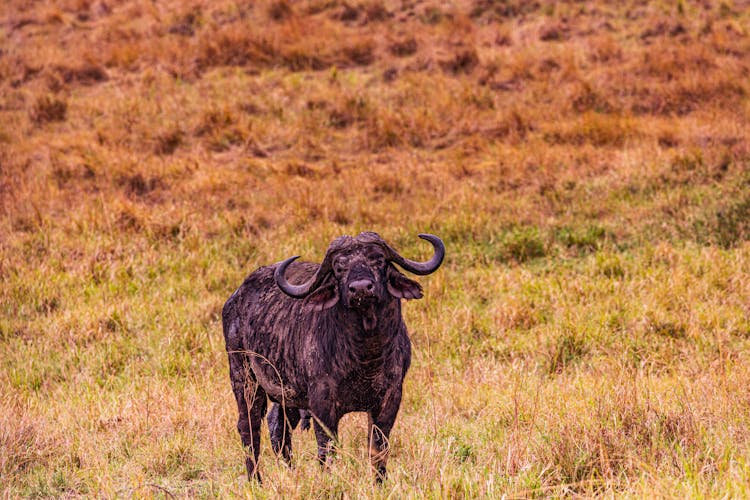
[368, 334]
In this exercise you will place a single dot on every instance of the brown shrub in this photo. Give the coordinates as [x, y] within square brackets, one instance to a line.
[168, 142]
[432, 15]
[663, 27]
[48, 109]
[681, 98]
[279, 10]
[668, 139]
[494, 10]
[605, 48]
[388, 185]
[236, 47]
[347, 13]
[72, 175]
[185, 25]
[375, 11]
[372, 11]
[137, 185]
[128, 221]
[87, 74]
[385, 130]
[351, 110]
[390, 74]
[295, 49]
[297, 169]
[464, 61]
[126, 54]
[672, 63]
[586, 98]
[597, 129]
[340, 216]
[554, 33]
[513, 125]
[403, 47]
[228, 138]
[300, 58]
[213, 120]
[360, 52]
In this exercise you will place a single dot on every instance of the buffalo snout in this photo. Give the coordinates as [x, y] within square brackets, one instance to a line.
[361, 288]
[361, 293]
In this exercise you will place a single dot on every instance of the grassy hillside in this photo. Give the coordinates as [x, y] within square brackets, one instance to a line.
[586, 163]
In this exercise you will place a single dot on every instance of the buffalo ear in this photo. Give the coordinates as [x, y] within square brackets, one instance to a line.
[402, 287]
[325, 297]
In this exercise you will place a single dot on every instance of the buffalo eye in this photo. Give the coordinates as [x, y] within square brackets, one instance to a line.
[376, 259]
[338, 266]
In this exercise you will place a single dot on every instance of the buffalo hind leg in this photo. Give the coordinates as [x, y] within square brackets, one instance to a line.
[304, 422]
[257, 403]
[251, 405]
[281, 422]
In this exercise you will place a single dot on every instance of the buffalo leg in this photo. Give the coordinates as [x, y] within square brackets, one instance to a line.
[256, 398]
[326, 432]
[380, 422]
[304, 420]
[281, 422]
[251, 404]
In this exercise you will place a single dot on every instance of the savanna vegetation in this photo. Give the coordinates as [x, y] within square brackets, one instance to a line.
[586, 162]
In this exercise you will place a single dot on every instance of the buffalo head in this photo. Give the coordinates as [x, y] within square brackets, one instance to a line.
[358, 272]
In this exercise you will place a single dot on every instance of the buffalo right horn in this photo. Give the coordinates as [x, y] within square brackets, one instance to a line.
[298, 291]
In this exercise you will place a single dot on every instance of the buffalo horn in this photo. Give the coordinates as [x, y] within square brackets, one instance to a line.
[422, 268]
[298, 291]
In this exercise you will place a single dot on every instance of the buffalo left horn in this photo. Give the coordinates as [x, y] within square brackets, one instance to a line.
[422, 268]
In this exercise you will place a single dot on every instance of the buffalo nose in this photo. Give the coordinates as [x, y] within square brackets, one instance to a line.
[361, 287]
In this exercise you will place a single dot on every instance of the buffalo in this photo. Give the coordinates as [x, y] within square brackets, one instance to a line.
[323, 340]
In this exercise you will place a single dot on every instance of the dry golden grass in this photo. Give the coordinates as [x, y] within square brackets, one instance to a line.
[587, 164]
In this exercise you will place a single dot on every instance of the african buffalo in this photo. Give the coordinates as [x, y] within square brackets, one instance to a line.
[332, 343]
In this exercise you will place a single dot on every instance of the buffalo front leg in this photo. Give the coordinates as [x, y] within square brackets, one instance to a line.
[281, 422]
[326, 432]
[380, 422]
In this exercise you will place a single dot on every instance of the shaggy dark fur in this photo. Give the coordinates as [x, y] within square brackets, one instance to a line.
[338, 345]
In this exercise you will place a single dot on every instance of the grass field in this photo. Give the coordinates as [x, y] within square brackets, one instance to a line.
[586, 163]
